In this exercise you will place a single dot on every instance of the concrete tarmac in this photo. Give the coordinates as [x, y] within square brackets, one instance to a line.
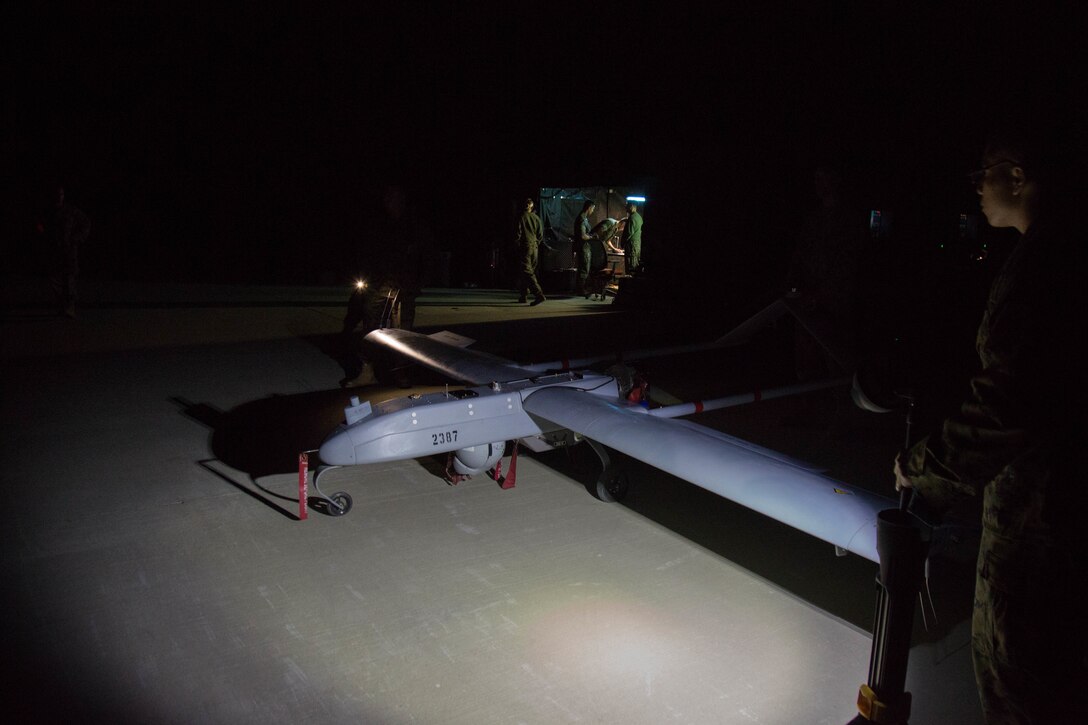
[157, 571]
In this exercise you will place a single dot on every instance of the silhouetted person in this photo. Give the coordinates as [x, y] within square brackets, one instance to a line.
[528, 238]
[824, 273]
[393, 262]
[65, 228]
[1019, 440]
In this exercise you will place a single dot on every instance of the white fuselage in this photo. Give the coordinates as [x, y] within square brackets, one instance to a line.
[421, 425]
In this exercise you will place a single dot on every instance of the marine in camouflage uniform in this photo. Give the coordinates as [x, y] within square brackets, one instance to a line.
[529, 234]
[632, 238]
[1016, 440]
[583, 244]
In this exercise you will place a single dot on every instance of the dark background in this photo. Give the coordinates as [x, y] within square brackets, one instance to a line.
[248, 144]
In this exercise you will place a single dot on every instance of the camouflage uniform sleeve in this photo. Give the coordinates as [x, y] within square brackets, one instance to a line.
[970, 449]
[991, 428]
[586, 230]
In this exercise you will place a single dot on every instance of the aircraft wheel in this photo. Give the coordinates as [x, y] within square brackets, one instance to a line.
[612, 486]
[341, 504]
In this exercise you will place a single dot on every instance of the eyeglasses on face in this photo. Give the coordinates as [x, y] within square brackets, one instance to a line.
[976, 177]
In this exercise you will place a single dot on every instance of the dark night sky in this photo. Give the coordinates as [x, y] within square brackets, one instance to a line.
[215, 144]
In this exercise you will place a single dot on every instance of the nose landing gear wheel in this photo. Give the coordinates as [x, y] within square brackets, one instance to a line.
[612, 485]
[338, 504]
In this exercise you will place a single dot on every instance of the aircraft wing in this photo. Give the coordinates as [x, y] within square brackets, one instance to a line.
[469, 366]
[755, 477]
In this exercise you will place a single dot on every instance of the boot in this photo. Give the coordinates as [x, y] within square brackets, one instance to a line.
[365, 377]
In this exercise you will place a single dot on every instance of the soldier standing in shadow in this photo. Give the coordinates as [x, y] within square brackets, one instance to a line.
[822, 278]
[393, 262]
[1017, 439]
[65, 228]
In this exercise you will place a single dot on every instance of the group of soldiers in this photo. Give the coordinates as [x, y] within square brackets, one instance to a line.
[397, 265]
[529, 235]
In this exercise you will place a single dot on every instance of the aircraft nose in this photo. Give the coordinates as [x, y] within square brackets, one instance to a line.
[338, 450]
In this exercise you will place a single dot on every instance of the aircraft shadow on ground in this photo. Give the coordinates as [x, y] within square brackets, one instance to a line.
[265, 437]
